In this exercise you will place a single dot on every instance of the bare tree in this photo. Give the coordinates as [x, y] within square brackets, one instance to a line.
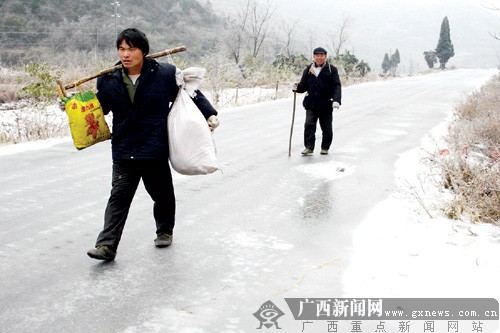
[258, 23]
[238, 33]
[339, 37]
[311, 41]
[493, 7]
[288, 29]
[250, 26]
[222, 73]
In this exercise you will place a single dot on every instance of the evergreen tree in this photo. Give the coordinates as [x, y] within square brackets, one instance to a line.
[386, 64]
[430, 58]
[347, 61]
[444, 49]
[363, 68]
[394, 62]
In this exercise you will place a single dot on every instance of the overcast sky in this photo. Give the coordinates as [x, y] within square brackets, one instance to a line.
[380, 26]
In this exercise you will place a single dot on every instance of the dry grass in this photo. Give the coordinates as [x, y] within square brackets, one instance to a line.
[471, 169]
[12, 80]
[27, 119]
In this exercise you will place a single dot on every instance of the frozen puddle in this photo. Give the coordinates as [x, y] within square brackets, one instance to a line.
[392, 132]
[329, 170]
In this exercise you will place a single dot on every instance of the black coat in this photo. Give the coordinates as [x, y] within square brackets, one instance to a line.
[321, 90]
[140, 128]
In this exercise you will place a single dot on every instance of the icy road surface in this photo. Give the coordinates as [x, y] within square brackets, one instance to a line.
[267, 227]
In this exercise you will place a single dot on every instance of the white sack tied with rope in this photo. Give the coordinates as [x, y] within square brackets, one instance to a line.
[190, 141]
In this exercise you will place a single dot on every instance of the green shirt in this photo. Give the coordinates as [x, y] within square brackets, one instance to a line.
[131, 87]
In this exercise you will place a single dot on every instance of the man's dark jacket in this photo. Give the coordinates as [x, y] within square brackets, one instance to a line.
[323, 90]
[140, 128]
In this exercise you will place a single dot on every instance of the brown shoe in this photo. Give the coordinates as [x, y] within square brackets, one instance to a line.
[102, 252]
[163, 240]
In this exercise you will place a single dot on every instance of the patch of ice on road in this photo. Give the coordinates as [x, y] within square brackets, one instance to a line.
[329, 170]
[168, 320]
[186, 320]
[391, 132]
[257, 241]
[278, 245]
[398, 124]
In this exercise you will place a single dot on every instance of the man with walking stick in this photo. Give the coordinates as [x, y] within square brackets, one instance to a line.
[324, 91]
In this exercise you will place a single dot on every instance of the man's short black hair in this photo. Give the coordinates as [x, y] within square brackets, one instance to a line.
[134, 38]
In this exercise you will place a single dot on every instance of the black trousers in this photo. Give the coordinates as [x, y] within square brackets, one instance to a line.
[326, 124]
[157, 179]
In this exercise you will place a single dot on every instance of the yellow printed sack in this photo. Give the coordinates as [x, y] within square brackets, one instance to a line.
[86, 119]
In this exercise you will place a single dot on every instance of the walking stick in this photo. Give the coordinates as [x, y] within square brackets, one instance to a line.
[291, 128]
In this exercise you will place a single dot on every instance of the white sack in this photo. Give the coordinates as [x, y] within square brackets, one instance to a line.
[191, 145]
[192, 79]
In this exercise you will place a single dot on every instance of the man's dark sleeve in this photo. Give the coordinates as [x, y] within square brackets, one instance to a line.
[101, 98]
[204, 105]
[302, 86]
[337, 86]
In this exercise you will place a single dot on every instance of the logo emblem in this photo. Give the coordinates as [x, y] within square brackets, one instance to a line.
[268, 315]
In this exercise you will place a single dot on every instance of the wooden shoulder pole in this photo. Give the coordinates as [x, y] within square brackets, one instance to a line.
[61, 92]
[108, 70]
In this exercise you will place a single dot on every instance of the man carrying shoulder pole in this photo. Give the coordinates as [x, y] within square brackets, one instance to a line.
[140, 95]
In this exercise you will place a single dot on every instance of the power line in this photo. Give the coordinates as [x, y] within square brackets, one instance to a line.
[54, 33]
[13, 34]
[69, 43]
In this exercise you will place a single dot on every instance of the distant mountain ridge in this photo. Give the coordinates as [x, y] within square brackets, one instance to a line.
[85, 24]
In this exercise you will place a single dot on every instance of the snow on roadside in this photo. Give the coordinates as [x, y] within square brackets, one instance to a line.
[9, 149]
[22, 122]
[400, 251]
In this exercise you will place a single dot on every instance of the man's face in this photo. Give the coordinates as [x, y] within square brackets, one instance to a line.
[320, 59]
[132, 58]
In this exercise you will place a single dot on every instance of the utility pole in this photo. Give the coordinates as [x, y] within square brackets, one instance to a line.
[96, 42]
[116, 4]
